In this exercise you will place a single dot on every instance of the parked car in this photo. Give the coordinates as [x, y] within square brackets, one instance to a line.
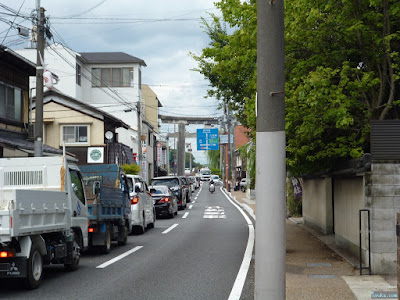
[143, 213]
[186, 185]
[243, 184]
[177, 186]
[165, 202]
[191, 180]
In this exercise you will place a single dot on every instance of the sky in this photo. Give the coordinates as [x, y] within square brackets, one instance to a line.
[160, 32]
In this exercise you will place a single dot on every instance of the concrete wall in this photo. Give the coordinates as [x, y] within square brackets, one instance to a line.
[348, 200]
[150, 105]
[379, 192]
[317, 204]
[62, 62]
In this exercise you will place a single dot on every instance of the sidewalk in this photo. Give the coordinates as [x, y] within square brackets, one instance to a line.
[314, 270]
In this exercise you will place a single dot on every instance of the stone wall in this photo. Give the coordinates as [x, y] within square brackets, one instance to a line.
[398, 252]
[383, 199]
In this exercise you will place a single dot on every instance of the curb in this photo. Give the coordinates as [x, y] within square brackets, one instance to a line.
[247, 208]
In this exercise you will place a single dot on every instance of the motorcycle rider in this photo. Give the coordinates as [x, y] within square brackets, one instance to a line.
[212, 186]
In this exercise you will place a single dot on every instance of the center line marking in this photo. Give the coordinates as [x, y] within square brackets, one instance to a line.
[193, 201]
[169, 229]
[185, 215]
[107, 263]
[190, 206]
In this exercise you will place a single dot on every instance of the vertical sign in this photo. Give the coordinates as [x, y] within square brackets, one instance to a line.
[159, 154]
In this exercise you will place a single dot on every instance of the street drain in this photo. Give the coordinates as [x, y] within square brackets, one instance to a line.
[319, 265]
[321, 276]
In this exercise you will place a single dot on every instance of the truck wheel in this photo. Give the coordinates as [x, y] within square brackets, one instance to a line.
[35, 269]
[124, 235]
[75, 256]
[107, 241]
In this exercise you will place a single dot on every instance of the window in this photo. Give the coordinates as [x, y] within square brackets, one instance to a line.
[116, 77]
[75, 134]
[78, 74]
[10, 102]
[77, 185]
[150, 139]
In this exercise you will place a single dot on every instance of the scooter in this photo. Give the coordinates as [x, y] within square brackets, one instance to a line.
[211, 188]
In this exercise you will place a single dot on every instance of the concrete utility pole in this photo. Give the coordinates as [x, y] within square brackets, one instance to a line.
[139, 125]
[270, 152]
[229, 151]
[189, 145]
[175, 162]
[181, 149]
[38, 143]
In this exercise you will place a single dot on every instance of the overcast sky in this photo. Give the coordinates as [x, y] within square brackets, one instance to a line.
[160, 32]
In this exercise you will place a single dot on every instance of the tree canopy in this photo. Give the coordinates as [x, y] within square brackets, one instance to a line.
[342, 70]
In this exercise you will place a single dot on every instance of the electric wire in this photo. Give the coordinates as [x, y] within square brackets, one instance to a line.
[13, 21]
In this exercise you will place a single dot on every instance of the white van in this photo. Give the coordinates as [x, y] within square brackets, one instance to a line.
[143, 213]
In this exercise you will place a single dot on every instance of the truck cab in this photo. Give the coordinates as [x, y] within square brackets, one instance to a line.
[43, 216]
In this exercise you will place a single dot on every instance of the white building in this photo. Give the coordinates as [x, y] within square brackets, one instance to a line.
[110, 81]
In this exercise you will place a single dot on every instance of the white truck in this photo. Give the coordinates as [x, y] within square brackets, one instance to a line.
[205, 174]
[43, 216]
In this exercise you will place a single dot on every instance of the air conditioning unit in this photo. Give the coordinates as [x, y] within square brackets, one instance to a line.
[31, 131]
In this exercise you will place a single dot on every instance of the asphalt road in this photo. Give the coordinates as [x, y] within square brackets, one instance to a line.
[199, 258]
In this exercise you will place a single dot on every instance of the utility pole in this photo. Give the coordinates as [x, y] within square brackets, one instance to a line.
[139, 126]
[189, 145]
[181, 149]
[270, 152]
[38, 143]
[175, 163]
[229, 151]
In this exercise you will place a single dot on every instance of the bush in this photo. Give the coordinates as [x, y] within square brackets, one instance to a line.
[293, 205]
[131, 169]
[216, 172]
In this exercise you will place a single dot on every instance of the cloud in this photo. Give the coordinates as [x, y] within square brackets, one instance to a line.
[160, 32]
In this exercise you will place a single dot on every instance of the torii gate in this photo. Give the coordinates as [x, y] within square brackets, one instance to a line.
[182, 121]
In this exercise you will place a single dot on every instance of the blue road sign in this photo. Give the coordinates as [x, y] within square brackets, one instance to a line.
[207, 139]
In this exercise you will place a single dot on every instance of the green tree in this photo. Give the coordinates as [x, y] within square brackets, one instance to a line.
[213, 158]
[229, 62]
[342, 70]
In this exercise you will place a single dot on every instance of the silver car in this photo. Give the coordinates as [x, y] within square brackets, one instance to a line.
[143, 214]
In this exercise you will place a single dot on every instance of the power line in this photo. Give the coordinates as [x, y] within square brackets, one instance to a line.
[89, 10]
[13, 21]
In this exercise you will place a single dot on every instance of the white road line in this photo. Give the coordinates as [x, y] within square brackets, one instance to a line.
[111, 261]
[193, 201]
[185, 215]
[237, 288]
[169, 229]
[190, 206]
[195, 198]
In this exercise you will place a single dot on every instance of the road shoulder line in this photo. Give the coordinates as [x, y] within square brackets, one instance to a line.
[237, 288]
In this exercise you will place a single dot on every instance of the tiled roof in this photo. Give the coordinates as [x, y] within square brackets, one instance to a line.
[110, 58]
[19, 142]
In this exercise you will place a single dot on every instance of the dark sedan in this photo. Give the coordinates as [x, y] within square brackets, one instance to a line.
[165, 202]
